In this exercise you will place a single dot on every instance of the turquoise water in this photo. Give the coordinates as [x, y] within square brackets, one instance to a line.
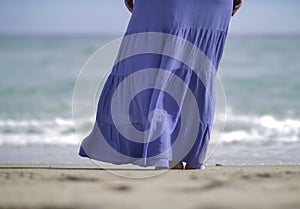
[260, 76]
[261, 81]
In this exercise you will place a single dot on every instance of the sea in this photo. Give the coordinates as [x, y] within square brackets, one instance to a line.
[259, 76]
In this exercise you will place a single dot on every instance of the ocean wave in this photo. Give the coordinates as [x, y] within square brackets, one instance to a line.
[57, 131]
[239, 129]
[264, 129]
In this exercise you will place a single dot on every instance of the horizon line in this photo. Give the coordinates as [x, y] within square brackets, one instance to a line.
[114, 35]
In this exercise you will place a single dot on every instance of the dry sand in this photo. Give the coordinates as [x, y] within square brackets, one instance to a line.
[224, 187]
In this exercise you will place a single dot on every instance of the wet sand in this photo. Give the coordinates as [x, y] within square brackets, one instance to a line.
[89, 187]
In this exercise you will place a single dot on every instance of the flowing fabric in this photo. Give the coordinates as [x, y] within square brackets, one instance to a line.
[157, 104]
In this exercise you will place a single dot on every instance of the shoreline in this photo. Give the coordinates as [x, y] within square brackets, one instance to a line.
[40, 186]
[225, 154]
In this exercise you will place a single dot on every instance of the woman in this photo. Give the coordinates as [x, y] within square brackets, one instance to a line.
[158, 126]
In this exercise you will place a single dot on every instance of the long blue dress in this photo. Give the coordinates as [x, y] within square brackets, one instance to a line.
[157, 104]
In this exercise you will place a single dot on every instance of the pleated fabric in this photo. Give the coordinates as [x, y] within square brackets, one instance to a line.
[157, 104]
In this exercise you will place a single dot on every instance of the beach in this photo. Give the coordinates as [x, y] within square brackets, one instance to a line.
[55, 58]
[36, 120]
[259, 145]
[68, 186]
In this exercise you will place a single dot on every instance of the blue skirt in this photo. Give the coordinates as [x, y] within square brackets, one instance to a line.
[157, 105]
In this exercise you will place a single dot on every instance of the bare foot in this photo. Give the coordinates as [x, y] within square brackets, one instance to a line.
[175, 165]
[187, 167]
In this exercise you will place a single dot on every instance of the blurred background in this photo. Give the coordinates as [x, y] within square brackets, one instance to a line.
[45, 43]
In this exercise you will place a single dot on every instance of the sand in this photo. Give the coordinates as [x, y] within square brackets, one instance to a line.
[88, 187]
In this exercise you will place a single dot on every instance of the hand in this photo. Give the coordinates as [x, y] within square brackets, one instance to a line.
[129, 5]
[236, 7]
